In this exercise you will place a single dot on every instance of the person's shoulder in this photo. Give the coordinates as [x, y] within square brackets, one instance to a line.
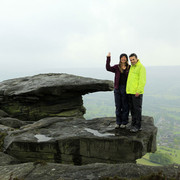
[140, 64]
[142, 67]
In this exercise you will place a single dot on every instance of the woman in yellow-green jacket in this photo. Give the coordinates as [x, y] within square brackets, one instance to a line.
[135, 89]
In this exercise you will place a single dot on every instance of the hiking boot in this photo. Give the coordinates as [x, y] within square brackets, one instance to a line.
[117, 126]
[122, 126]
[140, 129]
[134, 129]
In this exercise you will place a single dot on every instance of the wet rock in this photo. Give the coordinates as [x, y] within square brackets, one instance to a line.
[78, 141]
[46, 95]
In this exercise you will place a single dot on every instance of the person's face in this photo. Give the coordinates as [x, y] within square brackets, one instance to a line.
[133, 60]
[123, 59]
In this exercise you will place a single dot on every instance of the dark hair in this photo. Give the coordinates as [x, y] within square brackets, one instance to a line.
[133, 54]
[123, 55]
[127, 65]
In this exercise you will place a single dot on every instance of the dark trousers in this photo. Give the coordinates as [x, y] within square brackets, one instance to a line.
[121, 103]
[135, 107]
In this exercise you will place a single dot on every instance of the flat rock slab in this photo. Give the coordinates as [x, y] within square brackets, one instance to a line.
[78, 141]
[47, 95]
[97, 171]
[54, 84]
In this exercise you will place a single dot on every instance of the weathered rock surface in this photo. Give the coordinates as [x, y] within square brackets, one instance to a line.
[3, 114]
[11, 122]
[5, 159]
[46, 95]
[41, 120]
[52, 171]
[78, 141]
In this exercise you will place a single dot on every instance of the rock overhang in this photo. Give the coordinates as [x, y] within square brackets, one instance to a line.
[46, 95]
[53, 83]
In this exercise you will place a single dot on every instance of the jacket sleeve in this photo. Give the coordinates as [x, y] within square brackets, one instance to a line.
[108, 67]
[142, 80]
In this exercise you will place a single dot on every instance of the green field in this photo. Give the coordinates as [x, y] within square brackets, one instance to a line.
[174, 153]
[145, 161]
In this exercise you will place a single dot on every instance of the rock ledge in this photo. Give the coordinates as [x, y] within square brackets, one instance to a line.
[46, 95]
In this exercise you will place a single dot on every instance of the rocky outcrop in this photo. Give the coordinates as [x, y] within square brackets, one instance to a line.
[97, 171]
[78, 141]
[46, 95]
[41, 121]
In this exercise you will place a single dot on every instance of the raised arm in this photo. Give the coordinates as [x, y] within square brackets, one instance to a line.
[108, 60]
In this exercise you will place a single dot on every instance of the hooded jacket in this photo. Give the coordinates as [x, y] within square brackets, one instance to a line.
[136, 79]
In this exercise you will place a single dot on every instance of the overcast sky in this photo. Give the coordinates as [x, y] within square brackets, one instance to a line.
[43, 34]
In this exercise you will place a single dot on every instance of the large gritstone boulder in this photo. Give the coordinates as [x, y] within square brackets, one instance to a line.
[47, 95]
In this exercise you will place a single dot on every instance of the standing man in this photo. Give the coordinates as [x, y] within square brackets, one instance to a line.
[135, 89]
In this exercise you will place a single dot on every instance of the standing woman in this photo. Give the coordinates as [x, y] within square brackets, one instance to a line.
[121, 71]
